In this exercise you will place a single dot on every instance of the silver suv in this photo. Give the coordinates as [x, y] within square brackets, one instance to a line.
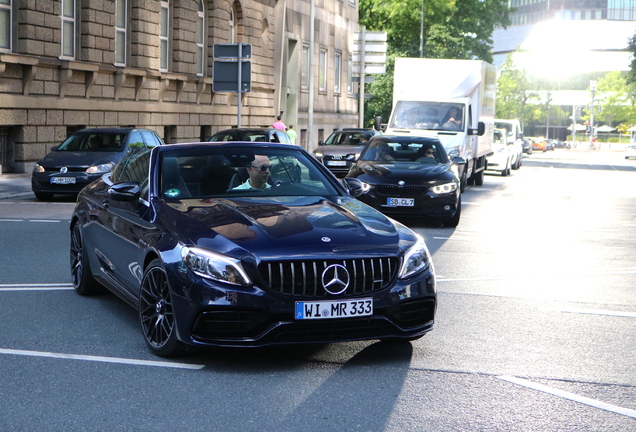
[342, 148]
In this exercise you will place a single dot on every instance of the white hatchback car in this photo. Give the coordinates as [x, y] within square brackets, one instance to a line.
[630, 152]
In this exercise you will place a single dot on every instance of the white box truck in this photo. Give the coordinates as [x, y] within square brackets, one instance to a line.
[452, 100]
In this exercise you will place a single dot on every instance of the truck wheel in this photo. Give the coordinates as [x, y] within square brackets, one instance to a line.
[463, 182]
[479, 178]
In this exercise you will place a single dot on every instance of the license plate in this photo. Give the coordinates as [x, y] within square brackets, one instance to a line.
[63, 180]
[334, 309]
[400, 202]
[337, 163]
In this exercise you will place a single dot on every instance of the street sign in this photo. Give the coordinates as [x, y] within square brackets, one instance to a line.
[369, 58]
[370, 36]
[228, 51]
[371, 69]
[366, 96]
[371, 47]
[367, 79]
[225, 76]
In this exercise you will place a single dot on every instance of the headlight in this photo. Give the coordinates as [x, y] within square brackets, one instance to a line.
[214, 266]
[415, 260]
[444, 188]
[318, 155]
[453, 152]
[38, 168]
[101, 169]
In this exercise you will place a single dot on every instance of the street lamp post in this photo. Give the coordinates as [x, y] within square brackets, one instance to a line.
[593, 90]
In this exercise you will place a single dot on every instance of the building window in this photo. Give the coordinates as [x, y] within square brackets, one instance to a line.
[68, 29]
[121, 39]
[322, 73]
[5, 25]
[350, 75]
[164, 36]
[337, 68]
[304, 70]
[200, 40]
[233, 25]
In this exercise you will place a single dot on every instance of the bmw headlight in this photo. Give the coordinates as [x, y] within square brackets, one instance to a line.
[38, 168]
[444, 188]
[416, 259]
[101, 169]
[214, 266]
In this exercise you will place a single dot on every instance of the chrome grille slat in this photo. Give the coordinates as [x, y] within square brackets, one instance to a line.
[304, 278]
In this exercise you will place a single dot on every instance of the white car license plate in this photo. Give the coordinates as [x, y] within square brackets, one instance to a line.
[63, 180]
[400, 202]
[334, 309]
[337, 163]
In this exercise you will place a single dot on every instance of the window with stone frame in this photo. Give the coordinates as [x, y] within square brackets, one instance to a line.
[121, 32]
[5, 25]
[164, 36]
[200, 40]
[68, 29]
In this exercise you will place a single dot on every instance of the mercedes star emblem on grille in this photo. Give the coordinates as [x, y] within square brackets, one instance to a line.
[335, 279]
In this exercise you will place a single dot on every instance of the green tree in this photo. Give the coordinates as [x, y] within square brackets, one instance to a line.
[515, 94]
[616, 99]
[455, 29]
[631, 47]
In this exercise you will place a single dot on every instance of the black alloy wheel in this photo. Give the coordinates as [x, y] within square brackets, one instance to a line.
[156, 312]
[83, 280]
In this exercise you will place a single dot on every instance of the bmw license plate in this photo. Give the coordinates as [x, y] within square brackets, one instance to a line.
[334, 309]
[62, 180]
[337, 163]
[400, 202]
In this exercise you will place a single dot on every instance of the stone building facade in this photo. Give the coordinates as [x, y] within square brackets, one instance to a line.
[70, 64]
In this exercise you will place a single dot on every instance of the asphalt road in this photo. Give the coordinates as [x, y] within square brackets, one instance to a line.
[535, 329]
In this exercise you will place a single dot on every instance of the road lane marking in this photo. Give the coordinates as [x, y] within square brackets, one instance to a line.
[564, 275]
[44, 220]
[101, 359]
[596, 312]
[36, 287]
[11, 220]
[570, 396]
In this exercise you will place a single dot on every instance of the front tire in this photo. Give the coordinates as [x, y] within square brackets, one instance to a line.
[452, 222]
[479, 178]
[156, 313]
[83, 280]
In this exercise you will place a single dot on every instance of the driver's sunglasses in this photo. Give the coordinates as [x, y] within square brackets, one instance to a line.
[263, 167]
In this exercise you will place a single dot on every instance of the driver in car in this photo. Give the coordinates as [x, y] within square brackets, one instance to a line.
[259, 172]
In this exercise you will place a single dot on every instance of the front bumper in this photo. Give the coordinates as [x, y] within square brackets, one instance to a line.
[41, 182]
[214, 314]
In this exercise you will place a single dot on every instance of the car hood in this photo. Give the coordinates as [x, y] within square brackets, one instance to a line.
[284, 226]
[411, 173]
[57, 159]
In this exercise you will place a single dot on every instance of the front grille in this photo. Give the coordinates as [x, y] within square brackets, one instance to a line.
[401, 191]
[229, 324]
[412, 313]
[304, 278]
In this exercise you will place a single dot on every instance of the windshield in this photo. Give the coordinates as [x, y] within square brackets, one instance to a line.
[348, 138]
[240, 171]
[254, 136]
[391, 150]
[428, 115]
[96, 141]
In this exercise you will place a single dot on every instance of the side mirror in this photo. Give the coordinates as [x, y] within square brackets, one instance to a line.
[458, 160]
[378, 123]
[321, 143]
[481, 128]
[127, 192]
[354, 186]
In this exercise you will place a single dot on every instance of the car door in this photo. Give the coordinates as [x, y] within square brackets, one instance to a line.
[127, 229]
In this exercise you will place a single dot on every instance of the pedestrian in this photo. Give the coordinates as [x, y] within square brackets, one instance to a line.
[292, 133]
[279, 124]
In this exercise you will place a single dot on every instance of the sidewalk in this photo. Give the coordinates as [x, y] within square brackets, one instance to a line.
[15, 186]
